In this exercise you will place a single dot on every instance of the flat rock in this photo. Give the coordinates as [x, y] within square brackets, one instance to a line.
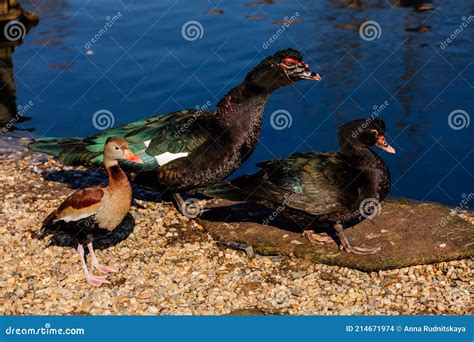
[409, 233]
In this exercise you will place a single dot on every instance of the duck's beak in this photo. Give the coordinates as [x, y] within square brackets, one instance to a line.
[309, 75]
[382, 143]
[299, 71]
[129, 155]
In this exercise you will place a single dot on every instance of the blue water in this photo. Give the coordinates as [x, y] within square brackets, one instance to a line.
[142, 66]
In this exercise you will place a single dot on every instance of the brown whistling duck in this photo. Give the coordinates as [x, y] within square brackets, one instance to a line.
[96, 207]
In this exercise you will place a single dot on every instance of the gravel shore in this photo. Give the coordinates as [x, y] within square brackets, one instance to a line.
[169, 265]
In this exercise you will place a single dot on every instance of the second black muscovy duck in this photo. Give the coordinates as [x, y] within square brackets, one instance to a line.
[321, 188]
[192, 148]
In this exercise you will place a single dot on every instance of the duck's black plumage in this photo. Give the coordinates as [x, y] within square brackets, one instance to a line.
[191, 148]
[324, 188]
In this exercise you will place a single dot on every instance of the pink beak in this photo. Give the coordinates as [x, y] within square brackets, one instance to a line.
[382, 144]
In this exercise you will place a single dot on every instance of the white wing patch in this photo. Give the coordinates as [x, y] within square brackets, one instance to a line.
[166, 157]
[147, 143]
[74, 217]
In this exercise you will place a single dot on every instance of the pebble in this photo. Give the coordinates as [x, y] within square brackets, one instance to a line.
[145, 295]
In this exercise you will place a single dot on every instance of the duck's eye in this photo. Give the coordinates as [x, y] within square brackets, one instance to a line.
[117, 148]
[289, 62]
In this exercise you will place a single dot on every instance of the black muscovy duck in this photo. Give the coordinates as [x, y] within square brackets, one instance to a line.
[101, 207]
[321, 188]
[192, 148]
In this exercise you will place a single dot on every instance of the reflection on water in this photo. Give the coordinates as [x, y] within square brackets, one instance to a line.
[420, 5]
[15, 24]
[260, 3]
[143, 66]
[7, 85]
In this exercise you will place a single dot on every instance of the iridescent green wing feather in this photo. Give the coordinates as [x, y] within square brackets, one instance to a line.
[174, 132]
[318, 183]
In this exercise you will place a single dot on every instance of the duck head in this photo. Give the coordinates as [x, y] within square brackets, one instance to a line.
[363, 133]
[281, 69]
[117, 149]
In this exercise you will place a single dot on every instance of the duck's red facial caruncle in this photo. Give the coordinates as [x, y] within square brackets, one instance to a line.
[297, 70]
[382, 143]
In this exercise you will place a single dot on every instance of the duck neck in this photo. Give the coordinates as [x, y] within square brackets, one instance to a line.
[361, 157]
[117, 178]
[374, 176]
[244, 103]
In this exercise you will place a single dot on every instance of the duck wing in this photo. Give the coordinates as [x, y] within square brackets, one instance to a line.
[317, 183]
[156, 140]
[79, 205]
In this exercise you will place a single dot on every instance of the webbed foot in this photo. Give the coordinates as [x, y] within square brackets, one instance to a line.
[346, 245]
[317, 239]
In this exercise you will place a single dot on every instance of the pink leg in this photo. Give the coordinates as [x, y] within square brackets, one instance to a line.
[91, 279]
[95, 263]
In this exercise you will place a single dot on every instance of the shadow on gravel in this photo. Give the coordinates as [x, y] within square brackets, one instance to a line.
[251, 213]
[103, 238]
